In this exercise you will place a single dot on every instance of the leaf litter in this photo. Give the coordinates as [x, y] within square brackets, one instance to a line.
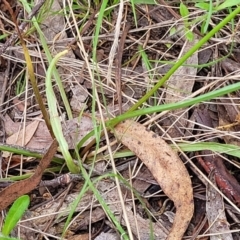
[78, 85]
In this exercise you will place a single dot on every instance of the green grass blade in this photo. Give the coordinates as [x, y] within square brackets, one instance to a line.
[132, 112]
[209, 15]
[54, 117]
[88, 184]
[172, 106]
[229, 149]
[98, 27]
[152, 2]
[227, 4]
[134, 11]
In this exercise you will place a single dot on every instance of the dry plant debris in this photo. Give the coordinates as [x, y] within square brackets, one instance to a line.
[60, 207]
[217, 220]
[121, 79]
[179, 87]
[166, 167]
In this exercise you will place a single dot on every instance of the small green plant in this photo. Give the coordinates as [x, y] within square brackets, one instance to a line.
[185, 14]
[213, 7]
[216, 6]
[15, 213]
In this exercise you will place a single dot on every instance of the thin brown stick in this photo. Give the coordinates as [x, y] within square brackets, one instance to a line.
[119, 66]
[170, 9]
[90, 20]
[30, 72]
[87, 25]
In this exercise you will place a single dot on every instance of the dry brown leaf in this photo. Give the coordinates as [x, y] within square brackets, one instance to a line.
[41, 138]
[165, 166]
[17, 138]
[10, 126]
[75, 129]
[23, 137]
[11, 193]
[19, 105]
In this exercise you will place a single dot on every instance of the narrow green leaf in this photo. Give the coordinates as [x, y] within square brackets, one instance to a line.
[184, 10]
[229, 149]
[3, 36]
[209, 15]
[15, 213]
[179, 63]
[203, 26]
[226, 4]
[204, 6]
[144, 2]
[134, 12]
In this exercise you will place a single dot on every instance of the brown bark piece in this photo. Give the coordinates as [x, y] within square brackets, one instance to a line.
[179, 87]
[225, 181]
[11, 193]
[215, 213]
[165, 166]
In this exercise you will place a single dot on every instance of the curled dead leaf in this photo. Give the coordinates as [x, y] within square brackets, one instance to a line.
[166, 167]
